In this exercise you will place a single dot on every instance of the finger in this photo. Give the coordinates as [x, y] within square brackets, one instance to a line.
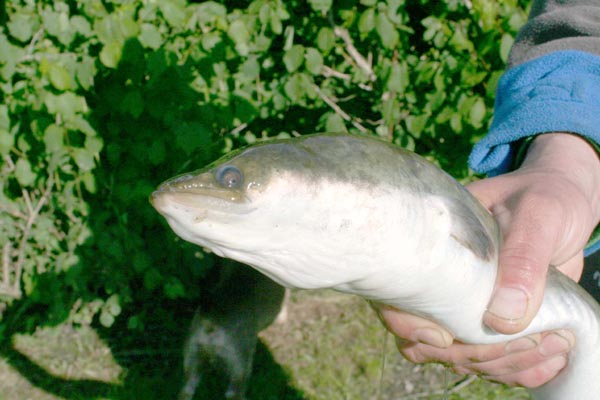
[412, 328]
[523, 354]
[535, 376]
[458, 354]
[530, 237]
[502, 358]
[467, 356]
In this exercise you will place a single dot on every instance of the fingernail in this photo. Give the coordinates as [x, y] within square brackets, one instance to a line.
[510, 304]
[556, 343]
[432, 337]
[521, 344]
[556, 364]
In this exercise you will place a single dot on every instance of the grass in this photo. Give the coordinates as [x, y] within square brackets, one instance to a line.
[330, 347]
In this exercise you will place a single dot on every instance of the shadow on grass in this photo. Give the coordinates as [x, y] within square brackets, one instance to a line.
[153, 366]
[39, 377]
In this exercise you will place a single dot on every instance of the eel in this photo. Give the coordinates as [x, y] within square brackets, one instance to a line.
[362, 216]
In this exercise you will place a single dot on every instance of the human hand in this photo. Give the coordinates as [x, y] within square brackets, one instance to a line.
[546, 211]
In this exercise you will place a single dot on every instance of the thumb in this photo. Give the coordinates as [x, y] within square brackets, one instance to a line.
[530, 235]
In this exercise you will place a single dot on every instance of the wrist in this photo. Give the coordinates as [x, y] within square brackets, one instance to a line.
[570, 157]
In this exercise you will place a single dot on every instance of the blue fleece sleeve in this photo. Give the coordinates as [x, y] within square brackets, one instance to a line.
[558, 92]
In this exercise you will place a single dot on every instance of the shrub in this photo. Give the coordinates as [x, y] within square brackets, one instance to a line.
[102, 100]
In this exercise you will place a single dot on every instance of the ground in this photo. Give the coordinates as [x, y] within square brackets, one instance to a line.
[330, 347]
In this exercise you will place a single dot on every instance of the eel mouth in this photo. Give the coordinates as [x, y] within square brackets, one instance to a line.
[195, 191]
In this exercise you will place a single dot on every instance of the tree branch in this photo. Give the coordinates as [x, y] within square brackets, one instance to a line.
[358, 58]
[338, 110]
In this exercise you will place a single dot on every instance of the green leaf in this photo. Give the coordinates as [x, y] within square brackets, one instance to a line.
[93, 144]
[470, 76]
[81, 25]
[366, 22]
[79, 123]
[133, 103]
[398, 79]
[210, 40]
[59, 77]
[152, 278]
[106, 319]
[314, 61]
[128, 27]
[141, 262]
[294, 57]
[387, 32]
[84, 159]
[505, 45]
[456, 123]
[461, 41]
[275, 22]
[66, 104]
[85, 71]
[390, 111]
[9, 56]
[239, 33]
[191, 136]
[174, 289]
[52, 21]
[250, 69]
[335, 123]
[112, 305]
[320, 5]
[294, 88]
[57, 24]
[416, 124]
[325, 39]
[7, 141]
[53, 138]
[20, 27]
[477, 113]
[150, 36]
[174, 12]
[157, 152]
[4, 118]
[111, 53]
[23, 172]
[89, 182]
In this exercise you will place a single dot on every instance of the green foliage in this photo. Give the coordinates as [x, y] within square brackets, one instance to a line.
[102, 100]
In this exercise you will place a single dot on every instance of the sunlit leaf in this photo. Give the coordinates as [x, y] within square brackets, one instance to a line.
[505, 45]
[314, 61]
[335, 123]
[387, 32]
[173, 11]
[325, 39]
[23, 172]
[20, 27]
[320, 5]
[477, 112]
[150, 36]
[111, 53]
[366, 22]
[53, 138]
[294, 57]
[59, 77]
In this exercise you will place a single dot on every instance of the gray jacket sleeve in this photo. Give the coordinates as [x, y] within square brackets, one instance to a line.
[556, 25]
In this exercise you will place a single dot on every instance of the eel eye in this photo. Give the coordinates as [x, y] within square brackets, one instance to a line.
[229, 176]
